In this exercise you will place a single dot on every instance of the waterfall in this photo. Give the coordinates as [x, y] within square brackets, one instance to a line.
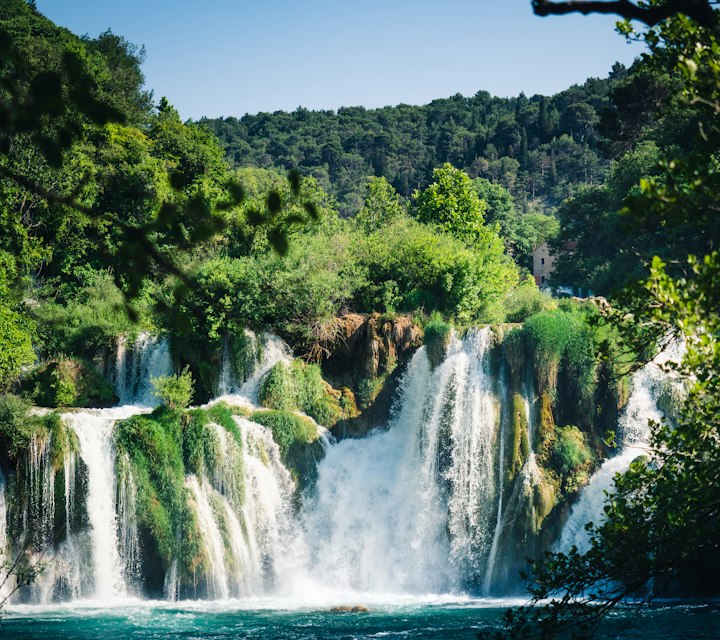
[211, 537]
[246, 523]
[272, 350]
[94, 430]
[634, 431]
[147, 357]
[410, 509]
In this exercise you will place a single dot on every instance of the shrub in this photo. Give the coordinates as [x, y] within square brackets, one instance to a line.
[68, 382]
[436, 339]
[17, 426]
[289, 430]
[15, 345]
[176, 391]
[526, 300]
[300, 386]
[570, 456]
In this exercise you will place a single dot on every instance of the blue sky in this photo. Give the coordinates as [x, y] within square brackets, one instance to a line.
[231, 57]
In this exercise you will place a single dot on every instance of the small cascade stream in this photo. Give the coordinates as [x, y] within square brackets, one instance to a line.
[136, 364]
[634, 431]
[94, 432]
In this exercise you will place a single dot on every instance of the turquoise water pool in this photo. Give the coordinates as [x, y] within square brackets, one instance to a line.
[277, 620]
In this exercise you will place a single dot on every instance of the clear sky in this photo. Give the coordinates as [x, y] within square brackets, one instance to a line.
[231, 57]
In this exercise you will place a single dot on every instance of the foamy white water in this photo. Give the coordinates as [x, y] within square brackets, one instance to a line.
[634, 433]
[135, 364]
[94, 430]
[410, 509]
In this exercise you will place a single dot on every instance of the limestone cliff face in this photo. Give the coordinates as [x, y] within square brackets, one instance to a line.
[365, 355]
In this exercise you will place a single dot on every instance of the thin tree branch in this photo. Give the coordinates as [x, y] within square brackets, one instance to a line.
[700, 11]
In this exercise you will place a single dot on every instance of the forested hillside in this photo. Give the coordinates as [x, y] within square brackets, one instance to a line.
[539, 148]
[568, 162]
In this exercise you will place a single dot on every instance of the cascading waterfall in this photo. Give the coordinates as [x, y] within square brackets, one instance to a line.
[634, 430]
[246, 536]
[424, 506]
[410, 509]
[147, 357]
[272, 350]
[94, 432]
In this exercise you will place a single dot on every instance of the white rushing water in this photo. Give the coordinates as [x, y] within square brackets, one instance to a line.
[94, 430]
[416, 508]
[272, 350]
[634, 431]
[410, 509]
[251, 538]
[136, 364]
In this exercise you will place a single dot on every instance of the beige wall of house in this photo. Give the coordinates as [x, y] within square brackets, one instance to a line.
[542, 264]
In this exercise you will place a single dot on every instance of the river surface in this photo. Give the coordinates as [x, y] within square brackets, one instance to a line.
[396, 617]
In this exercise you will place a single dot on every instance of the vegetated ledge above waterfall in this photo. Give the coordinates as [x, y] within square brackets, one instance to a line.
[365, 354]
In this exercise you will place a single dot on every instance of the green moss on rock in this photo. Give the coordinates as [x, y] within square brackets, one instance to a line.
[520, 444]
[289, 429]
[436, 340]
[300, 386]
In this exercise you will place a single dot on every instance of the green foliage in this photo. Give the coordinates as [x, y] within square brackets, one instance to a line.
[408, 266]
[153, 449]
[174, 391]
[526, 300]
[661, 522]
[452, 204]
[68, 382]
[15, 345]
[436, 339]
[547, 335]
[63, 440]
[537, 148]
[381, 206]
[521, 231]
[300, 386]
[17, 426]
[570, 457]
[89, 321]
[289, 430]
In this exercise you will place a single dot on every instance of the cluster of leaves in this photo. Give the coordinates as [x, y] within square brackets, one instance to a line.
[175, 392]
[68, 382]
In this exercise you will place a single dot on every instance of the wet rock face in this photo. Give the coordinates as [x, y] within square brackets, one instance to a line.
[365, 355]
[366, 346]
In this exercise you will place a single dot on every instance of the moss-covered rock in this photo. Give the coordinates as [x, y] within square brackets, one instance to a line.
[298, 439]
[289, 429]
[300, 387]
[436, 340]
[570, 458]
[68, 382]
[520, 443]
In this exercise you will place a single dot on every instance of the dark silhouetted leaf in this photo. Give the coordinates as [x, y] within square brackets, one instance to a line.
[236, 192]
[279, 241]
[274, 202]
[312, 210]
[254, 217]
[294, 179]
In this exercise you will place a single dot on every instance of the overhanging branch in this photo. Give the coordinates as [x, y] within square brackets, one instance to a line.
[700, 11]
